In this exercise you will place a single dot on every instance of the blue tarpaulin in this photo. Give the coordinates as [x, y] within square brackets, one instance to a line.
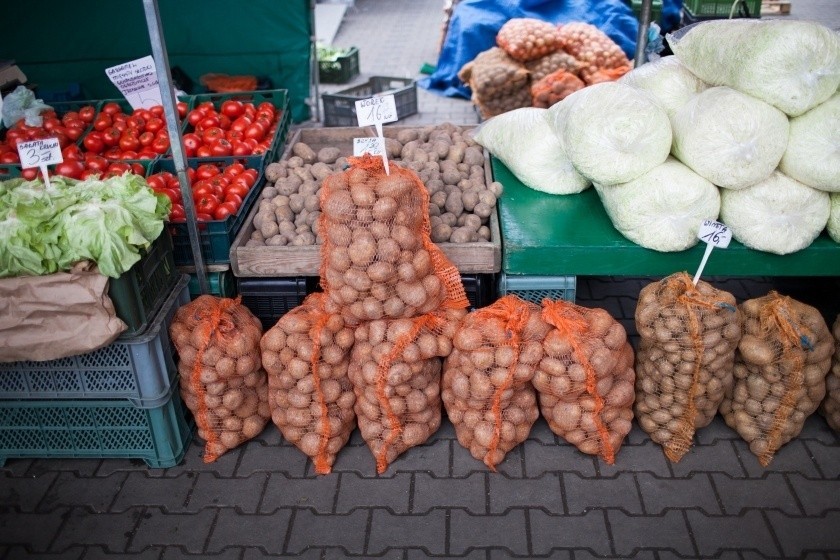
[474, 25]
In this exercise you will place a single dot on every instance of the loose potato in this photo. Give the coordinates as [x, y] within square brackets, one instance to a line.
[304, 152]
[328, 155]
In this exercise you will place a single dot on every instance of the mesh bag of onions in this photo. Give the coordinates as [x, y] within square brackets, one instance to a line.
[542, 67]
[306, 355]
[555, 87]
[526, 39]
[378, 260]
[222, 380]
[594, 50]
[685, 359]
[498, 83]
[780, 368]
[585, 378]
[487, 389]
[395, 371]
[831, 405]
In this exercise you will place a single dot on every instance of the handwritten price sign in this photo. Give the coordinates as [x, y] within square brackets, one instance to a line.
[38, 153]
[715, 233]
[376, 110]
[373, 146]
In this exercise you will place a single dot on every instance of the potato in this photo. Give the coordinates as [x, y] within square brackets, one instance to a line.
[328, 155]
[304, 152]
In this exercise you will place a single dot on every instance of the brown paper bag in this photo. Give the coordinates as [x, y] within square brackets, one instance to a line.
[57, 315]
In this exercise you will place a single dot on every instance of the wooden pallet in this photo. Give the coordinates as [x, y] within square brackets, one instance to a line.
[775, 7]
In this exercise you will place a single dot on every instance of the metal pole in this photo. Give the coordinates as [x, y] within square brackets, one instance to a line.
[315, 78]
[641, 38]
[179, 157]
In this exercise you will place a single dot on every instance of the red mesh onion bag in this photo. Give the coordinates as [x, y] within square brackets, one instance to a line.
[554, 88]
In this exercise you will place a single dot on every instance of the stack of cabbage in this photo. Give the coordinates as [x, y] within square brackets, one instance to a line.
[748, 106]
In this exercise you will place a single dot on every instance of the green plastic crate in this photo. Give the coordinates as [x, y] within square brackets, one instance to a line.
[222, 284]
[718, 9]
[536, 288]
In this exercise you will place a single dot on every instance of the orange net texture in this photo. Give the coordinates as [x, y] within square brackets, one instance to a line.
[684, 364]
[306, 355]
[395, 371]
[560, 60]
[487, 387]
[585, 378]
[378, 261]
[592, 48]
[527, 39]
[831, 405]
[498, 82]
[222, 83]
[222, 380]
[554, 88]
[780, 368]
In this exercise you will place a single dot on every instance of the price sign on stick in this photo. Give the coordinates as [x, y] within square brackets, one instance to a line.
[376, 111]
[40, 154]
[137, 81]
[373, 146]
[715, 234]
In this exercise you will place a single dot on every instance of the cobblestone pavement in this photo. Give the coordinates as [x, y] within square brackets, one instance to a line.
[547, 500]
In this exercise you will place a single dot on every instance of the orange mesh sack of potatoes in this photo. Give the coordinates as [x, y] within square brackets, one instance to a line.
[560, 60]
[222, 380]
[306, 355]
[487, 387]
[594, 50]
[780, 368]
[686, 355]
[527, 39]
[831, 405]
[499, 83]
[585, 378]
[395, 371]
[378, 260]
[554, 88]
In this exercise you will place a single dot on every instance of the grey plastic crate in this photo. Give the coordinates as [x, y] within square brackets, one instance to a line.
[140, 369]
[537, 288]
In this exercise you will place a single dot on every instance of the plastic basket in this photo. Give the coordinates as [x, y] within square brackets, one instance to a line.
[96, 428]
[222, 284]
[718, 9]
[271, 298]
[340, 107]
[480, 289]
[139, 292]
[536, 288]
[139, 370]
[341, 70]
[216, 235]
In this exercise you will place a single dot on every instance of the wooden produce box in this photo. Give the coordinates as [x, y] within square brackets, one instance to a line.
[470, 258]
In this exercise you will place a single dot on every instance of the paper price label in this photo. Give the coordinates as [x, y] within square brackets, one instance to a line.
[376, 110]
[137, 81]
[39, 153]
[715, 233]
[373, 146]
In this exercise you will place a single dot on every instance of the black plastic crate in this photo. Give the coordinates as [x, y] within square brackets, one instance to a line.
[271, 298]
[340, 70]
[340, 107]
[480, 289]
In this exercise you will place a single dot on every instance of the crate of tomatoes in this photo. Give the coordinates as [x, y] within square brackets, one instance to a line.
[224, 190]
[237, 124]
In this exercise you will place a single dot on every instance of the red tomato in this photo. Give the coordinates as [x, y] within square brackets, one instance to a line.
[210, 121]
[9, 157]
[221, 181]
[118, 168]
[69, 116]
[87, 113]
[265, 106]
[111, 108]
[70, 168]
[241, 124]
[255, 131]
[136, 121]
[160, 145]
[138, 169]
[144, 114]
[72, 152]
[173, 195]
[252, 175]
[154, 124]
[30, 174]
[88, 173]
[182, 109]
[177, 214]
[195, 116]
[50, 124]
[94, 143]
[221, 148]
[146, 153]
[74, 132]
[102, 122]
[97, 163]
[203, 151]
[129, 142]
[224, 210]
[111, 136]
[112, 153]
[128, 154]
[156, 182]
[234, 135]
[232, 108]
[203, 217]
[212, 134]
[206, 203]
[241, 148]
[146, 138]
[206, 170]
[191, 143]
[237, 188]
[234, 169]
[235, 198]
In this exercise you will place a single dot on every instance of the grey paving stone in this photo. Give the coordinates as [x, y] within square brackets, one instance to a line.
[415, 554]
[630, 533]
[827, 457]
[252, 553]
[339, 554]
[541, 459]
[427, 532]
[543, 492]
[468, 493]
[178, 553]
[464, 464]
[346, 531]
[26, 492]
[816, 428]
[269, 436]
[695, 491]
[647, 457]
[640, 555]
[358, 459]
[108, 467]
[725, 555]
[583, 494]
[542, 433]
[95, 493]
[154, 553]
[187, 530]
[20, 553]
[316, 493]
[816, 496]
[141, 490]
[275, 459]
[235, 529]
[445, 432]
[792, 457]
[83, 467]
[587, 531]
[718, 457]
[242, 493]
[744, 532]
[392, 493]
[468, 532]
[502, 554]
[716, 430]
[638, 436]
[800, 535]
[109, 530]
[770, 492]
[432, 458]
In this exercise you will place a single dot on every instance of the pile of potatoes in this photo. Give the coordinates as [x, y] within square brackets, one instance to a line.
[526, 39]
[487, 387]
[449, 163]
[306, 355]
[685, 359]
[395, 372]
[831, 405]
[554, 88]
[498, 82]
[780, 369]
[585, 378]
[222, 380]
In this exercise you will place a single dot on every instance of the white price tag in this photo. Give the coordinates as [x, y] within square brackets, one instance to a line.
[376, 110]
[715, 233]
[137, 81]
[39, 153]
[373, 146]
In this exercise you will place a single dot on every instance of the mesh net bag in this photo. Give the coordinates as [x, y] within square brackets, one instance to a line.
[783, 357]
[487, 387]
[395, 371]
[560, 60]
[378, 261]
[498, 82]
[605, 75]
[585, 378]
[688, 337]
[555, 87]
[527, 39]
[222, 380]
[306, 355]
[592, 48]
[831, 405]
